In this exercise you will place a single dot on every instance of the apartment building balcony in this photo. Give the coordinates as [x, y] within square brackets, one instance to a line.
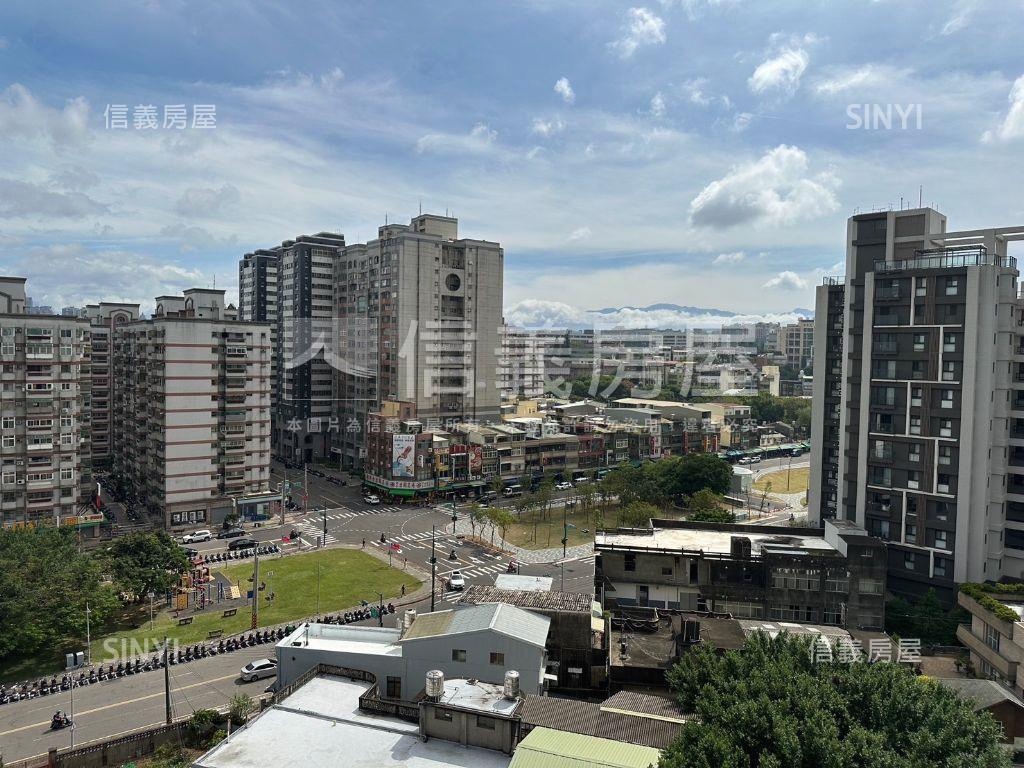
[37, 505]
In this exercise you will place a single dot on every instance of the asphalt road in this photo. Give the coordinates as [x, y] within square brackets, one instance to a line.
[107, 709]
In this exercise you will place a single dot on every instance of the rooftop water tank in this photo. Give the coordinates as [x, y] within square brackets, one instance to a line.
[435, 684]
[511, 684]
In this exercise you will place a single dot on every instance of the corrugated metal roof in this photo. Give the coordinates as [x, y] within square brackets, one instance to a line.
[577, 602]
[634, 702]
[506, 619]
[657, 729]
[545, 748]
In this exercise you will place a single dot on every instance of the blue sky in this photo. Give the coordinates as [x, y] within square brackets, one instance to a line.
[687, 151]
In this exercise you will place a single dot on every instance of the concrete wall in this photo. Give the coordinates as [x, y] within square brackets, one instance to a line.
[441, 722]
[429, 653]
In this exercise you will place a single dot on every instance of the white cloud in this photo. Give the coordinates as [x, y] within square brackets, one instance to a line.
[780, 72]
[642, 28]
[581, 233]
[658, 104]
[564, 89]
[22, 199]
[775, 189]
[546, 128]
[3, 43]
[729, 258]
[787, 280]
[480, 139]
[1012, 126]
[844, 80]
[108, 274]
[539, 313]
[962, 12]
[205, 201]
[23, 117]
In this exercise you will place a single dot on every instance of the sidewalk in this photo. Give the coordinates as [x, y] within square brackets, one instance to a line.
[535, 556]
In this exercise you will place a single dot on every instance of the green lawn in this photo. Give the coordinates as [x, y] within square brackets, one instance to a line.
[346, 577]
[785, 481]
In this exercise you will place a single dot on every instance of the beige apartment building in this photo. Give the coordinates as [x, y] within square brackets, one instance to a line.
[918, 421]
[45, 381]
[419, 316]
[103, 319]
[191, 411]
[798, 342]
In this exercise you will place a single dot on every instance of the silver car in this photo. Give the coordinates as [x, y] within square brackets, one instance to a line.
[258, 669]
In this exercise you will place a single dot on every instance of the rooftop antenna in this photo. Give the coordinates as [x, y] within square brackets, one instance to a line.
[920, 195]
[421, 206]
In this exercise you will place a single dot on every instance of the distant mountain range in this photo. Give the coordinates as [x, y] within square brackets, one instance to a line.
[693, 311]
[537, 313]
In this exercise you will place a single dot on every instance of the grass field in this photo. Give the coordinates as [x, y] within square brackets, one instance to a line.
[548, 533]
[346, 577]
[797, 483]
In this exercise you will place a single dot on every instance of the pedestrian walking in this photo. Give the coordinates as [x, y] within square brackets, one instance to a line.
[403, 590]
[364, 543]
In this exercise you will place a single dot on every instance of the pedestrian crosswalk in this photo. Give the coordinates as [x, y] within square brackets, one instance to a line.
[312, 531]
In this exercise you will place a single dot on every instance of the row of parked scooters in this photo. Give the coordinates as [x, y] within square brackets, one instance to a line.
[241, 554]
[362, 614]
[103, 673]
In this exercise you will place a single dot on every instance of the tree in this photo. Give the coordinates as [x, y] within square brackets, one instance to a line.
[765, 408]
[473, 512]
[771, 704]
[240, 707]
[146, 562]
[45, 583]
[706, 506]
[925, 618]
[637, 514]
[501, 519]
[703, 470]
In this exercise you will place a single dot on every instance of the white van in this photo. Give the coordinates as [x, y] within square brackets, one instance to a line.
[512, 490]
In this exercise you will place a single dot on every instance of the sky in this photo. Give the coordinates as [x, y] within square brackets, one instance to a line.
[695, 152]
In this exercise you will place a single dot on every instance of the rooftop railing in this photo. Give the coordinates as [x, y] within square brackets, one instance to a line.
[948, 258]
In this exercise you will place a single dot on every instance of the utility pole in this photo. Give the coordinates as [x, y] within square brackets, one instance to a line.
[433, 565]
[72, 716]
[565, 531]
[380, 612]
[284, 490]
[88, 637]
[167, 684]
[305, 487]
[318, 586]
[325, 526]
[255, 591]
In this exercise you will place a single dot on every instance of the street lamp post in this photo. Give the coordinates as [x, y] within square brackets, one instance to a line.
[88, 638]
[151, 595]
[380, 611]
[433, 564]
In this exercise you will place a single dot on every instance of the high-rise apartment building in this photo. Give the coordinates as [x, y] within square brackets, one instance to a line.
[798, 343]
[918, 425]
[291, 287]
[191, 408]
[419, 321]
[45, 450]
[103, 319]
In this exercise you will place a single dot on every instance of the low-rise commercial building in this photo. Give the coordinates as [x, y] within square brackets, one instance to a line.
[482, 642]
[834, 575]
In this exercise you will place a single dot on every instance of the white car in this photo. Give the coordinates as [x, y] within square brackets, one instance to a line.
[260, 668]
[196, 536]
[371, 498]
[456, 580]
[565, 485]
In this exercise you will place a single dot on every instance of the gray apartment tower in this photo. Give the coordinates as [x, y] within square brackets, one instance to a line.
[291, 287]
[918, 425]
[419, 313]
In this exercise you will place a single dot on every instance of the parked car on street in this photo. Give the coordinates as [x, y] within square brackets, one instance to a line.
[371, 498]
[565, 485]
[196, 536]
[231, 533]
[242, 544]
[258, 669]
